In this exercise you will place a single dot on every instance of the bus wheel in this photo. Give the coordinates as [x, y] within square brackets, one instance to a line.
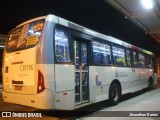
[114, 94]
[150, 84]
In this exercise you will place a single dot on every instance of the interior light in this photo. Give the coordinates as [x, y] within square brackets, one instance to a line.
[1, 46]
[37, 33]
[147, 4]
[61, 38]
[31, 31]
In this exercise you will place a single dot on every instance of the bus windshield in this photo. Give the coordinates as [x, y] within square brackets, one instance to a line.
[25, 36]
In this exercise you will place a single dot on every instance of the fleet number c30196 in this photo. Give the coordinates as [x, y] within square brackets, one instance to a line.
[26, 67]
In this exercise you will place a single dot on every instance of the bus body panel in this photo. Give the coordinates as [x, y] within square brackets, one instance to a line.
[64, 86]
[101, 78]
[64, 77]
[65, 100]
[48, 73]
[20, 72]
[36, 56]
[41, 101]
[100, 93]
[103, 75]
[45, 46]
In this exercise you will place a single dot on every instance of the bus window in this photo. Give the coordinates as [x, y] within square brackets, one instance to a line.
[128, 56]
[25, 36]
[101, 53]
[141, 60]
[148, 61]
[134, 58]
[62, 46]
[118, 56]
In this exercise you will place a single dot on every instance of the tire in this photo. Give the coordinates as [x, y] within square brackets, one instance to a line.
[114, 94]
[150, 84]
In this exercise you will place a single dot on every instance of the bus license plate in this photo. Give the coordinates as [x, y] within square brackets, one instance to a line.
[18, 87]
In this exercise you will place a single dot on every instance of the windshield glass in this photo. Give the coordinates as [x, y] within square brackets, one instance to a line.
[25, 36]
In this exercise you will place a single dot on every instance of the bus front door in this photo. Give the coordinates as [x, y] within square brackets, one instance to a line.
[81, 72]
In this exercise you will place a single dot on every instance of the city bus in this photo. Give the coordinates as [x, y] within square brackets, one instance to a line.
[52, 63]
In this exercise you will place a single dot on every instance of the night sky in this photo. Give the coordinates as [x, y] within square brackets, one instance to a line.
[93, 14]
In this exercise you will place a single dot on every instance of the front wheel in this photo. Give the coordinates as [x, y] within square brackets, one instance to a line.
[114, 94]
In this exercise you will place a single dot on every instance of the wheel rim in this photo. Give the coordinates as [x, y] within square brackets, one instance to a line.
[115, 94]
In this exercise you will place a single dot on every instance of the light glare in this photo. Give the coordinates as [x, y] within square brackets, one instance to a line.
[1, 46]
[147, 4]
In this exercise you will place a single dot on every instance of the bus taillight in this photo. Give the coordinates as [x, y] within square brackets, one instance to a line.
[40, 87]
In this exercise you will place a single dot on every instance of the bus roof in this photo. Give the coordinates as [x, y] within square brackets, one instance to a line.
[82, 29]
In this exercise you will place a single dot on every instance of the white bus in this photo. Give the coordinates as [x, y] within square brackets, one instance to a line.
[52, 63]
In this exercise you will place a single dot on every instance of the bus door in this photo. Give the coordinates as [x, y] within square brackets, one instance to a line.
[136, 71]
[81, 72]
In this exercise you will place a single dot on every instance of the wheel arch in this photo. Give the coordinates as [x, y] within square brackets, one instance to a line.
[116, 81]
[114, 95]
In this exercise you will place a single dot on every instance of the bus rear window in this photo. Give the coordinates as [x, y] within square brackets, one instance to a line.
[25, 36]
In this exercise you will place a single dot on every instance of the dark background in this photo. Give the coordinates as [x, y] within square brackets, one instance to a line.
[94, 14]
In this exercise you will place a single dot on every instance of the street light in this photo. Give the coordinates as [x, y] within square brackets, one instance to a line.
[148, 4]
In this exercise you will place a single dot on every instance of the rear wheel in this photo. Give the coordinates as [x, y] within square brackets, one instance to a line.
[150, 84]
[114, 94]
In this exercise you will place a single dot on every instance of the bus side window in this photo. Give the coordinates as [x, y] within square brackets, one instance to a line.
[96, 57]
[101, 53]
[128, 57]
[62, 52]
[141, 60]
[148, 61]
[118, 56]
[135, 58]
